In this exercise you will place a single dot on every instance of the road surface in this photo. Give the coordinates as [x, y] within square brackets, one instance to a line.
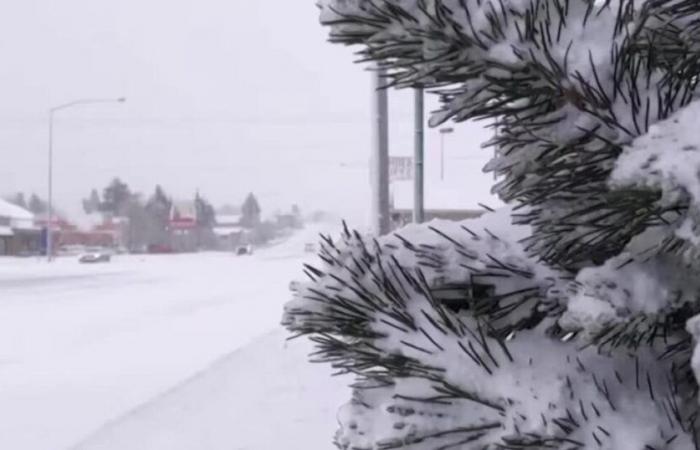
[81, 345]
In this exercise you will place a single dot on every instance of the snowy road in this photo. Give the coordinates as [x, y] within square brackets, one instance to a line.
[81, 345]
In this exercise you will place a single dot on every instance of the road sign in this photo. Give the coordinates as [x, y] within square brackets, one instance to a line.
[400, 168]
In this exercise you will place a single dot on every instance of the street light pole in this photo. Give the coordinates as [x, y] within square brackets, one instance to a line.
[52, 112]
[443, 132]
[418, 157]
[49, 217]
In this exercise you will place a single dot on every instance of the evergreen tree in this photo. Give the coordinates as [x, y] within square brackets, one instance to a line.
[158, 208]
[92, 204]
[116, 198]
[138, 231]
[95, 199]
[19, 200]
[568, 319]
[206, 221]
[159, 204]
[251, 212]
[206, 215]
[36, 205]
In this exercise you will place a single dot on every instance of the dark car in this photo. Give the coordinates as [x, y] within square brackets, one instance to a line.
[244, 250]
[95, 257]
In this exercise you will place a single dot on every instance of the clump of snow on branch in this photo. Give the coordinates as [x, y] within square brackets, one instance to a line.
[667, 159]
[624, 290]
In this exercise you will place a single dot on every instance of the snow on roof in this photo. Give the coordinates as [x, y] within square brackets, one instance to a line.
[20, 218]
[228, 219]
[445, 197]
[227, 231]
[7, 209]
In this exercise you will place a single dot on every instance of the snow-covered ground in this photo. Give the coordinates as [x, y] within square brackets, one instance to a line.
[262, 397]
[82, 345]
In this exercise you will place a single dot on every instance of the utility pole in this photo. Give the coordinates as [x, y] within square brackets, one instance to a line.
[418, 158]
[381, 222]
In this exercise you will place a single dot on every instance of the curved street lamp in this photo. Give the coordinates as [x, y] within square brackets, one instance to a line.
[52, 112]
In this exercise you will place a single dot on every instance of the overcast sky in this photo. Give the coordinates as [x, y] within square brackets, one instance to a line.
[224, 96]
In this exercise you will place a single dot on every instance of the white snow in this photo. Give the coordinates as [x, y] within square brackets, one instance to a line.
[20, 218]
[81, 345]
[667, 157]
[264, 396]
[7, 209]
[227, 231]
[620, 289]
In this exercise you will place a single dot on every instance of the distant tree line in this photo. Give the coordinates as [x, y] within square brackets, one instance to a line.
[35, 204]
[147, 219]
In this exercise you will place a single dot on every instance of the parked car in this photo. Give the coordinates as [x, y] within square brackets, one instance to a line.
[244, 250]
[310, 247]
[294, 286]
[96, 256]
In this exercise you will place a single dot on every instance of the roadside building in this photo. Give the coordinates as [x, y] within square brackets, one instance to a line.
[19, 234]
[87, 230]
[229, 232]
[183, 227]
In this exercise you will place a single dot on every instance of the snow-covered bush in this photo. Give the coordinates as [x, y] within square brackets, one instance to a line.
[567, 320]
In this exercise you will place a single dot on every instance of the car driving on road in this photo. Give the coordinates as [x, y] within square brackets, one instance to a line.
[95, 255]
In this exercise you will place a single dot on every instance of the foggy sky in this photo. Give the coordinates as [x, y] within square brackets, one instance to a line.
[224, 96]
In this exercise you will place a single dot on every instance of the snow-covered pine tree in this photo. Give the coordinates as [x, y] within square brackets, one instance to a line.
[567, 320]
